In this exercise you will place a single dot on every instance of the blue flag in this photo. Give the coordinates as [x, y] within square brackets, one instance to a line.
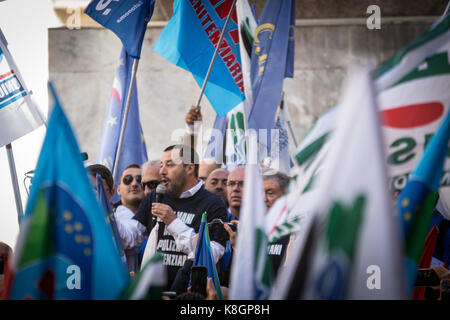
[133, 148]
[65, 248]
[416, 202]
[127, 19]
[189, 41]
[272, 61]
[203, 255]
[215, 147]
[103, 199]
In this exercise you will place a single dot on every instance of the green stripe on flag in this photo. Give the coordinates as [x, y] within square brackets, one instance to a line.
[38, 244]
[436, 65]
[429, 35]
[419, 227]
[312, 149]
[262, 264]
[343, 226]
[154, 290]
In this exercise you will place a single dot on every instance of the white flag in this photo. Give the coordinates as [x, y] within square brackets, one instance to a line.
[18, 114]
[357, 251]
[250, 273]
[414, 97]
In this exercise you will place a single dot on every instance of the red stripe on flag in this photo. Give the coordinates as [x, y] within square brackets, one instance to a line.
[278, 218]
[6, 74]
[115, 94]
[414, 115]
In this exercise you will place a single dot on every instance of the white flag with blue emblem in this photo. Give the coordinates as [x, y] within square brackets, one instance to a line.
[18, 113]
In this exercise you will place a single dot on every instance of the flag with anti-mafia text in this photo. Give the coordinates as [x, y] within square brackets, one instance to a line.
[189, 41]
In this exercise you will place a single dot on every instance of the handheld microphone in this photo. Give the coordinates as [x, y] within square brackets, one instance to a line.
[160, 191]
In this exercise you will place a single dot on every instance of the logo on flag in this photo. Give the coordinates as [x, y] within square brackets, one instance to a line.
[18, 113]
[127, 19]
[272, 61]
[10, 89]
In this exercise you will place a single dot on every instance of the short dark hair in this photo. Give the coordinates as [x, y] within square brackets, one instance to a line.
[103, 171]
[187, 154]
[133, 165]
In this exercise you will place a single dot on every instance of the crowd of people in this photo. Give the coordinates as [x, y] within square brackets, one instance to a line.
[171, 226]
[168, 223]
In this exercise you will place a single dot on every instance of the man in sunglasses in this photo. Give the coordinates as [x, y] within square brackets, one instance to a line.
[180, 211]
[150, 176]
[132, 194]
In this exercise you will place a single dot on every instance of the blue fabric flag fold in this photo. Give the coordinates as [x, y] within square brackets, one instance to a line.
[65, 247]
[189, 40]
[127, 19]
[272, 61]
[203, 255]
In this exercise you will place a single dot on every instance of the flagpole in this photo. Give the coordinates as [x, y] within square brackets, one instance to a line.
[12, 169]
[125, 118]
[288, 121]
[215, 53]
[446, 9]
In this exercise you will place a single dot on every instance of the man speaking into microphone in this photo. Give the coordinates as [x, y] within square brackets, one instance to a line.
[179, 210]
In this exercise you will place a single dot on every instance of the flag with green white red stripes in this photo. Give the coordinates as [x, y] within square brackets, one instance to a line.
[414, 99]
[356, 230]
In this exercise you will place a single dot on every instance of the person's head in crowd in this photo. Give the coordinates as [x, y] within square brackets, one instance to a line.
[130, 187]
[179, 169]
[274, 184]
[106, 175]
[235, 190]
[5, 256]
[217, 183]
[150, 176]
[207, 165]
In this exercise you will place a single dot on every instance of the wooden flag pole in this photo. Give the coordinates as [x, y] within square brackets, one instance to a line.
[215, 53]
[125, 117]
[12, 169]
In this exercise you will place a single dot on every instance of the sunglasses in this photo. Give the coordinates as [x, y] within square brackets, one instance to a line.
[152, 184]
[128, 179]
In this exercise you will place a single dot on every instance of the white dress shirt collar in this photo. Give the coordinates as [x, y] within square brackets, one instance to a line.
[192, 191]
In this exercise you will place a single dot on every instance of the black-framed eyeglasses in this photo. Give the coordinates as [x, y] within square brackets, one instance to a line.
[152, 184]
[231, 184]
[128, 179]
